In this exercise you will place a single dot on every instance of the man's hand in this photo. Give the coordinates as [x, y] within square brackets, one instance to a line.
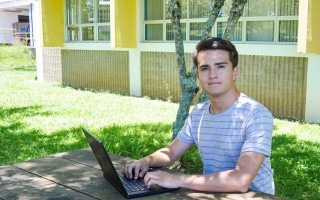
[136, 169]
[163, 179]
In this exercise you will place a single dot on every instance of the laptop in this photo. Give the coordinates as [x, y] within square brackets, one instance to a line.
[130, 188]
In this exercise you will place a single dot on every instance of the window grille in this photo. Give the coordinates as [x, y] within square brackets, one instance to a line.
[87, 20]
[271, 21]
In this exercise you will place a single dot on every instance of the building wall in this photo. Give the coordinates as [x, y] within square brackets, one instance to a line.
[123, 23]
[96, 69]
[284, 79]
[6, 20]
[53, 23]
[314, 27]
[278, 82]
[309, 43]
[52, 64]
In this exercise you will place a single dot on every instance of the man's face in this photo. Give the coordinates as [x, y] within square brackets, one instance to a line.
[215, 72]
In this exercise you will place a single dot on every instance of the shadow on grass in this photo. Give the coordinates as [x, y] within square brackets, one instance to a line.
[23, 112]
[18, 68]
[18, 143]
[25, 68]
[135, 141]
[296, 167]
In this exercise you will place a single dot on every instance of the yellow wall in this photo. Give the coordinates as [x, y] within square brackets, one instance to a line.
[123, 22]
[309, 26]
[53, 23]
[313, 41]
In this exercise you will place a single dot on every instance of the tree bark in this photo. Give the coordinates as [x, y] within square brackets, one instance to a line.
[188, 80]
[235, 13]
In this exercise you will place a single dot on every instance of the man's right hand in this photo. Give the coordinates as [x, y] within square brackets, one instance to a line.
[136, 169]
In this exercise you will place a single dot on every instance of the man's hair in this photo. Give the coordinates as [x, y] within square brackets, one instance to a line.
[216, 43]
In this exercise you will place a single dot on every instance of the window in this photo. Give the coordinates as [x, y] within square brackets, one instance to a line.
[196, 30]
[260, 31]
[170, 34]
[88, 20]
[237, 34]
[268, 21]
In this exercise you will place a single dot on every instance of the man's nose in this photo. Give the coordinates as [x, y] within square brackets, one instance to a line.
[213, 71]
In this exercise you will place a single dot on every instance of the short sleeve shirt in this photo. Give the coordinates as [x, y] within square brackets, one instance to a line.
[245, 126]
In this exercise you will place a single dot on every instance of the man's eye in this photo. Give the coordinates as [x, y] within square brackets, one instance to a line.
[221, 67]
[204, 68]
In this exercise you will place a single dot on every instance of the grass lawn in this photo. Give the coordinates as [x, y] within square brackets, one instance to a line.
[38, 119]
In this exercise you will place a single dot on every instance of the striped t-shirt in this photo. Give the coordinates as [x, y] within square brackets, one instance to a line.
[246, 126]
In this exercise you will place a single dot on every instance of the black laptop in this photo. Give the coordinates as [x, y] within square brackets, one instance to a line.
[130, 188]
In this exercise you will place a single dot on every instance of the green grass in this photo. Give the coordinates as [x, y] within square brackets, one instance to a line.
[16, 57]
[38, 119]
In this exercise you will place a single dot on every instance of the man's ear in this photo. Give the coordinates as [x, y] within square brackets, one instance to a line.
[235, 73]
[197, 74]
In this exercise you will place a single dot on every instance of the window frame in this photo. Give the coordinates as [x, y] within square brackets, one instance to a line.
[81, 25]
[276, 18]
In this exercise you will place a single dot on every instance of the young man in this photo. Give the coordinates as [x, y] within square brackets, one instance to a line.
[232, 132]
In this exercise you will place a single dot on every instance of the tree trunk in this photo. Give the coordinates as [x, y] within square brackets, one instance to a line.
[235, 13]
[188, 82]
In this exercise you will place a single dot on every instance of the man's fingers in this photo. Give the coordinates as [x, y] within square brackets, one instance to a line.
[150, 179]
[136, 171]
[128, 171]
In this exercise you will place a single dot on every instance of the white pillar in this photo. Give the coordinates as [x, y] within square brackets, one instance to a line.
[38, 36]
[134, 72]
[312, 113]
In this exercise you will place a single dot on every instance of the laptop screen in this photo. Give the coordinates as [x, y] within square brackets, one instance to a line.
[104, 161]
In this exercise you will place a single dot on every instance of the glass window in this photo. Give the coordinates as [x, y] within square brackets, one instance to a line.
[170, 34]
[104, 33]
[87, 12]
[260, 31]
[256, 8]
[89, 19]
[237, 34]
[73, 11]
[87, 33]
[199, 9]
[73, 33]
[103, 12]
[196, 31]
[153, 32]
[288, 31]
[153, 9]
[258, 22]
[288, 7]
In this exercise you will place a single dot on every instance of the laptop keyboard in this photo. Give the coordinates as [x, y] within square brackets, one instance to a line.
[132, 185]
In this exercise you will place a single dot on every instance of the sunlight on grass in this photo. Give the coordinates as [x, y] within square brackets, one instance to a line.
[16, 57]
[303, 130]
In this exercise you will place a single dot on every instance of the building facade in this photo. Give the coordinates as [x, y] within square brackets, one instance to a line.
[127, 47]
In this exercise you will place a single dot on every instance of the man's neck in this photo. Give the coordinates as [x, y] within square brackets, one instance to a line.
[221, 103]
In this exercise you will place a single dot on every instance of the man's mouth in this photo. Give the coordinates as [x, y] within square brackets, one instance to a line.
[214, 83]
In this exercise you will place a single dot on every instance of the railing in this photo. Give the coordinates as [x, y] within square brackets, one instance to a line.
[10, 36]
[6, 35]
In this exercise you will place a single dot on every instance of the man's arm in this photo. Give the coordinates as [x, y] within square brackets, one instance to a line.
[237, 180]
[160, 158]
